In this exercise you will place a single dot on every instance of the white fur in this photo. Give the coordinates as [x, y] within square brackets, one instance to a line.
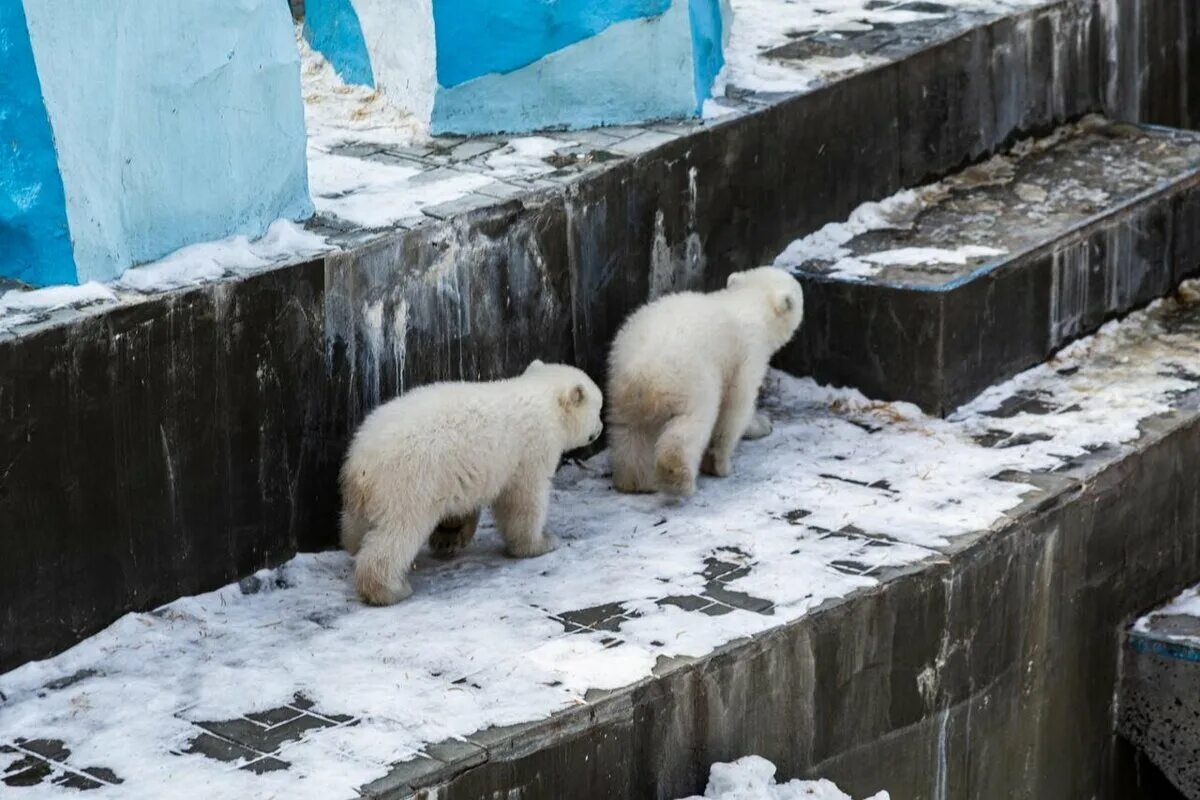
[684, 376]
[444, 451]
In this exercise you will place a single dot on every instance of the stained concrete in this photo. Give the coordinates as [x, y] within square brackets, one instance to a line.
[1159, 698]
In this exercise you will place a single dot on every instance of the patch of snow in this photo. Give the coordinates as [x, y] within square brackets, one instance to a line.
[753, 778]
[337, 113]
[482, 641]
[375, 195]
[713, 109]
[525, 156]
[762, 25]
[897, 212]
[914, 256]
[1187, 604]
[53, 298]
[210, 261]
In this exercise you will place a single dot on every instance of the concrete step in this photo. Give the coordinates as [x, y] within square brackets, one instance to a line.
[1159, 697]
[887, 599]
[934, 294]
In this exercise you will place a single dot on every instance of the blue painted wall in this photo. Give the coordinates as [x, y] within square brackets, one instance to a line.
[632, 71]
[332, 28]
[35, 242]
[479, 37]
[174, 123]
[708, 54]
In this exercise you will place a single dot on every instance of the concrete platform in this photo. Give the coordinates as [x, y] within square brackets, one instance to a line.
[195, 424]
[1159, 697]
[890, 600]
[934, 294]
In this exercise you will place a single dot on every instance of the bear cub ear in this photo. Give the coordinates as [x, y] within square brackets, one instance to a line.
[537, 362]
[734, 279]
[573, 398]
[783, 303]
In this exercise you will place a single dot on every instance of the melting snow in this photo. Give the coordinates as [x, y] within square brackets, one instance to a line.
[55, 297]
[1186, 604]
[762, 25]
[753, 778]
[526, 156]
[199, 263]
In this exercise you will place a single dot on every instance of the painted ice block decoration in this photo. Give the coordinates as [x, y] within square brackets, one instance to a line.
[133, 128]
[481, 66]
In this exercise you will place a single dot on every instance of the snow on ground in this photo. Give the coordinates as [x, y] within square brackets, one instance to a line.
[339, 113]
[828, 244]
[844, 489]
[753, 778]
[762, 25]
[1186, 604]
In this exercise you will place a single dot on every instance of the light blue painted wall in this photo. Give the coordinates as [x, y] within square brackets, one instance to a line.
[479, 37]
[175, 123]
[333, 29]
[35, 243]
[632, 71]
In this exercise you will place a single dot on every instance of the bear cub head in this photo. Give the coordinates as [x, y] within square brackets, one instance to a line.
[579, 401]
[781, 295]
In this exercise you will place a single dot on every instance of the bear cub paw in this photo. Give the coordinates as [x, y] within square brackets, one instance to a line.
[532, 549]
[452, 535]
[759, 427]
[674, 476]
[717, 466]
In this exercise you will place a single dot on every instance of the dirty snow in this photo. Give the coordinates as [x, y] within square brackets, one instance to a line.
[762, 25]
[526, 156]
[482, 641]
[828, 244]
[753, 778]
[210, 261]
[337, 113]
[375, 195]
[1187, 603]
[53, 298]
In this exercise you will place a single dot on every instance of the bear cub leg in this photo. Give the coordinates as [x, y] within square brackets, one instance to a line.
[384, 560]
[735, 421]
[632, 453]
[453, 534]
[521, 517]
[680, 448]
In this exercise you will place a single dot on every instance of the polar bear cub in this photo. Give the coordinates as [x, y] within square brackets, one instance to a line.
[435, 456]
[684, 375]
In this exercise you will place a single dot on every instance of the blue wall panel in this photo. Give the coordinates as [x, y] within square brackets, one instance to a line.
[35, 242]
[480, 37]
[333, 29]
